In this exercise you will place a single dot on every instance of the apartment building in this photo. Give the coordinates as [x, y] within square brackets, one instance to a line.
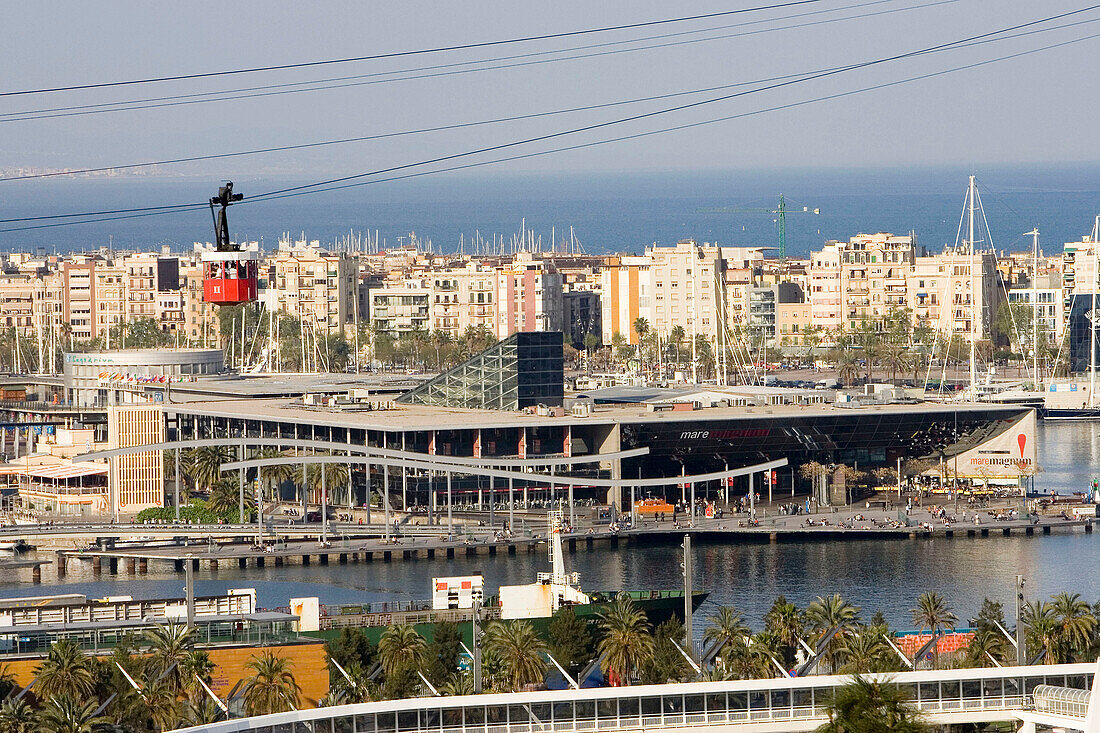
[316, 286]
[625, 295]
[859, 280]
[529, 296]
[397, 308]
[793, 315]
[464, 297]
[955, 292]
[862, 280]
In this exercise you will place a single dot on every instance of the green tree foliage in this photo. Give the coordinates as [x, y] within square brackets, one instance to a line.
[401, 647]
[204, 465]
[196, 512]
[443, 652]
[141, 333]
[170, 646]
[66, 673]
[68, 714]
[868, 651]
[351, 648]
[666, 663]
[518, 650]
[933, 613]
[827, 612]
[570, 640]
[785, 621]
[728, 628]
[626, 640]
[1076, 626]
[866, 706]
[16, 716]
[272, 687]
[225, 499]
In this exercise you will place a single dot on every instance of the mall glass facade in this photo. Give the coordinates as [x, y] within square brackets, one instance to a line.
[524, 370]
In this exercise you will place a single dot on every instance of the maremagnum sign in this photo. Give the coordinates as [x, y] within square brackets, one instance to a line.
[1008, 454]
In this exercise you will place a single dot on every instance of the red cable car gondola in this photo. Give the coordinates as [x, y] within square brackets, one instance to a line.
[229, 275]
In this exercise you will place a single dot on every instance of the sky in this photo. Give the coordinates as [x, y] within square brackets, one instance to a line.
[1033, 109]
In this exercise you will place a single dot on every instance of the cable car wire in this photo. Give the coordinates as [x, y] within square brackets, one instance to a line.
[437, 70]
[414, 52]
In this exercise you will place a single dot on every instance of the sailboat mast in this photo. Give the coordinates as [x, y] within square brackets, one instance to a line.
[973, 300]
[1092, 315]
[1035, 308]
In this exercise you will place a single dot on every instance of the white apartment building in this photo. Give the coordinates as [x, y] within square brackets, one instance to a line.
[1046, 303]
[464, 298]
[956, 292]
[397, 308]
[859, 281]
[318, 287]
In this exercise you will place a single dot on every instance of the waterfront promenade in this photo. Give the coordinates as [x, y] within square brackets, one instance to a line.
[237, 545]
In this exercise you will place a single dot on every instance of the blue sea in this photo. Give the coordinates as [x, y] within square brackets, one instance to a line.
[621, 212]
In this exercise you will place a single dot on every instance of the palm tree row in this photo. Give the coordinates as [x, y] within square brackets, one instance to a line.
[146, 685]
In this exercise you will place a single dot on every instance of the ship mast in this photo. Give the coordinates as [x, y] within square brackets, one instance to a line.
[1092, 315]
[557, 557]
[973, 300]
[1034, 233]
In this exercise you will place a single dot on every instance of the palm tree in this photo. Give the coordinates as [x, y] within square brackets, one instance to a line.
[161, 695]
[519, 650]
[195, 666]
[1076, 625]
[170, 646]
[824, 614]
[66, 714]
[785, 621]
[400, 646]
[866, 652]
[750, 657]
[441, 342]
[727, 628]
[17, 716]
[865, 705]
[895, 357]
[204, 464]
[933, 613]
[358, 689]
[274, 476]
[272, 688]
[461, 683]
[203, 711]
[1041, 630]
[641, 327]
[847, 367]
[626, 641]
[676, 338]
[66, 672]
[337, 478]
[985, 644]
[225, 497]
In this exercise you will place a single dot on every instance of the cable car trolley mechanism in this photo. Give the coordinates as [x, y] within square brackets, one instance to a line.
[230, 275]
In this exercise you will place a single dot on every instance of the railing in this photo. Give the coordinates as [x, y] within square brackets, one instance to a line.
[1065, 701]
[1001, 693]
